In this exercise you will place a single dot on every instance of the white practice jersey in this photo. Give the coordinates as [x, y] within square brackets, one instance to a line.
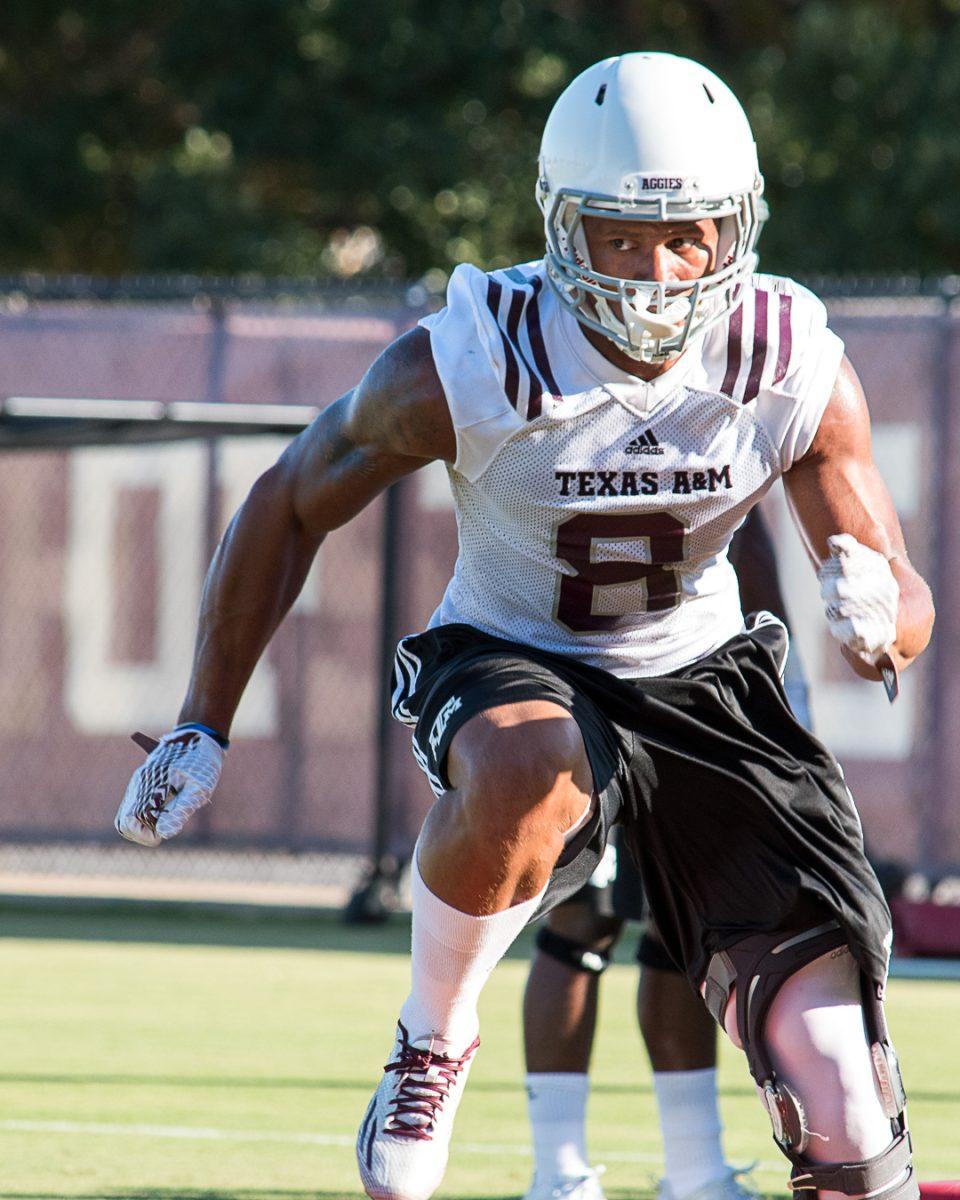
[595, 510]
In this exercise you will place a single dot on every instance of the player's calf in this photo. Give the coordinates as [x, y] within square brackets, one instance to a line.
[559, 1019]
[485, 855]
[560, 1001]
[404, 1139]
[678, 1033]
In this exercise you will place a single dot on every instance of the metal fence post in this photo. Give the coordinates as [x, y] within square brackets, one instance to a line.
[937, 832]
[216, 370]
[376, 898]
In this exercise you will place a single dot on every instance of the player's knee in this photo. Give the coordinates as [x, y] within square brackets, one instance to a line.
[791, 1038]
[793, 1032]
[817, 1045]
[815, 1032]
[579, 924]
[520, 764]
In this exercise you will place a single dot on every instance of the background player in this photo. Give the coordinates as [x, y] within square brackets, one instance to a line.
[574, 945]
[564, 686]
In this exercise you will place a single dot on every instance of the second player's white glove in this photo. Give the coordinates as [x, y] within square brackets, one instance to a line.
[177, 779]
[861, 597]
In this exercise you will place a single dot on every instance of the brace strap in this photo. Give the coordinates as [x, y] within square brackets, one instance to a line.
[759, 969]
[572, 954]
[857, 1179]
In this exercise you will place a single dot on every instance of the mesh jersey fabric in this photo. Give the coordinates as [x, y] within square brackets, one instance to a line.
[595, 510]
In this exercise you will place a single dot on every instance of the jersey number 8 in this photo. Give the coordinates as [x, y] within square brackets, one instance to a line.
[575, 538]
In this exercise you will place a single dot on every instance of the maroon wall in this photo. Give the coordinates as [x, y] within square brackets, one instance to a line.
[102, 552]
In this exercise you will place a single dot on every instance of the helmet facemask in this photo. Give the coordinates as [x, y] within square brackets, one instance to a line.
[657, 319]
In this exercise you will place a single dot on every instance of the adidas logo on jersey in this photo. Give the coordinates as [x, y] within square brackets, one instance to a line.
[646, 443]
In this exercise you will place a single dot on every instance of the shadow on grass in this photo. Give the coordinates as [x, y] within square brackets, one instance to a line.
[128, 921]
[180, 1194]
[181, 925]
[256, 1194]
[271, 1194]
[248, 1194]
[261, 1083]
[286, 1083]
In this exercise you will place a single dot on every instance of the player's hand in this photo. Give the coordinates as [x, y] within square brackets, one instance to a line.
[860, 596]
[177, 779]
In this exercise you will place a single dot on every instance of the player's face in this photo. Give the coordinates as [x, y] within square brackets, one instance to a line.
[665, 251]
[660, 251]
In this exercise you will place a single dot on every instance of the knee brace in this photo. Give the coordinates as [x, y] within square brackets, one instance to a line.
[572, 954]
[757, 968]
[651, 952]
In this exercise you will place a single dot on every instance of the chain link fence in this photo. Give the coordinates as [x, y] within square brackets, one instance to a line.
[104, 546]
[102, 558]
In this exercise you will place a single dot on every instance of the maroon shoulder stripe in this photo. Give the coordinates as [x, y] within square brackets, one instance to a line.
[513, 332]
[537, 343]
[786, 338]
[734, 350]
[511, 383]
[759, 358]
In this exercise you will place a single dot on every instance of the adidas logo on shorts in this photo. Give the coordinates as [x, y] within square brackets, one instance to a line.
[646, 443]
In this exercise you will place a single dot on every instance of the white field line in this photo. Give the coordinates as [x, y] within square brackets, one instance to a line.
[195, 1133]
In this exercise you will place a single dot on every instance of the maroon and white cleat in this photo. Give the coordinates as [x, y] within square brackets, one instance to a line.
[404, 1138]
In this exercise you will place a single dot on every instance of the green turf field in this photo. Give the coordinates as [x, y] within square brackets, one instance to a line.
[156, 1058]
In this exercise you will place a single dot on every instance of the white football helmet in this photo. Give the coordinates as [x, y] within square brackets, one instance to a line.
[649, 137]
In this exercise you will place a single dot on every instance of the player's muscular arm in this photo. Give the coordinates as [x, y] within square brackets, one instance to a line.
[836, 488]
[394, 421]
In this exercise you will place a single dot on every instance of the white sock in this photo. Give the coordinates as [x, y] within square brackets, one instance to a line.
[452, 956]
[691, 1128]
[557, 1104]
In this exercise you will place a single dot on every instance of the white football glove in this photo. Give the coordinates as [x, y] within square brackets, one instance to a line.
[176, 780]
[861, 597]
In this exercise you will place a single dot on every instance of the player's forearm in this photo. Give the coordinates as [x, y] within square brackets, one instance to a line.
[254, 578]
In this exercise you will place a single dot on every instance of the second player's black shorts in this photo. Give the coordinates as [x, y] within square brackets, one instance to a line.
[738, 818]
[616, 890]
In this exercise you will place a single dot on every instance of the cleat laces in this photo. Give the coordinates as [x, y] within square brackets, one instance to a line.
[425, 1079]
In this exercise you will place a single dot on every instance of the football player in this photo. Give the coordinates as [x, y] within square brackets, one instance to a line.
[573, 949]
[609, 414]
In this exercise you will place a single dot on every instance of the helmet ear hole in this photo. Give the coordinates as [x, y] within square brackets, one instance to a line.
[577, 240]
[727, 239]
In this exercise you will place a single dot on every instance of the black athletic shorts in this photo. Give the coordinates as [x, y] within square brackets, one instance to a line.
[738, 818]
[616, 890]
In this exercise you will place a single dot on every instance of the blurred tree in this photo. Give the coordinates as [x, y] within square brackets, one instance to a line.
[856, 121]
[398, 137]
